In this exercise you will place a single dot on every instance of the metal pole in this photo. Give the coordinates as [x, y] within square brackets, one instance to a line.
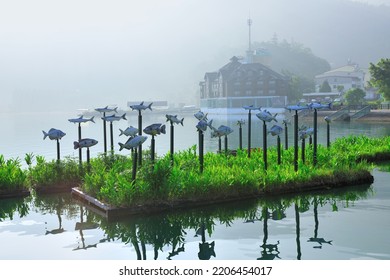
[296, 141]
[58, 150]
[134, 154]
[226, 144]
[172, 141]
[315, 139]
[105, 132]
[80, 152]
[112, 137]
[139, 133]
[240, 137]
[201, 159]
[328, 134]
[303, 150]
[265, 145]
[249, 132]
[278, 146]
[152, 148]
[219, 144]
[285, 137]
[88, 156]
[297, 222]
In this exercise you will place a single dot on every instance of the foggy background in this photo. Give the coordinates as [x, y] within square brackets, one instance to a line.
[66, 55]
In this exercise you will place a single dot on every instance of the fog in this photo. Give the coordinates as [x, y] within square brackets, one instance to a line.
[66, 55]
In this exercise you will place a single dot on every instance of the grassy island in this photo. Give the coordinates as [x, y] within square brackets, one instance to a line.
[225, 176]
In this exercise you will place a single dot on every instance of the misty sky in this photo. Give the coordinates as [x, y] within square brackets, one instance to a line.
[65, 55]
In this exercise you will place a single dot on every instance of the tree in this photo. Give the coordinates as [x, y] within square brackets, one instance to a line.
[355, 96]
[325, 87]
[380, 74]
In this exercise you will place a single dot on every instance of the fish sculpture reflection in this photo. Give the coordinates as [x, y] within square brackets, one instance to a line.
[297, 107]
[114, 118]
[201, 116]
[133, 142]
[155, 129]
[251, 107]
[174, 119]
[53, 134]
[81, 120]
[222, 130]
[130, 131]
[84, 143]
[203, 124]
[275, 130]
[141, 106]
[317, 105]
[266, 116]
[106, 110]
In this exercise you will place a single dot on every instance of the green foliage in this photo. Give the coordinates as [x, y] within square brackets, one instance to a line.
[12, 176]
[325, 87]
[355, 96]
[380, 76]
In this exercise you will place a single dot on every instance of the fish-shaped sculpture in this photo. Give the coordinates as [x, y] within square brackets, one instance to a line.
[327, 119]
[84, 143]
[203, 124]
[106, 110]
[114, 118]
[174, 119]
[133, 142]
[297, 107]
[81, 120]
[251, 107]
[266, 116]
[225, 130]
[317, 105]
[275, 130]
[240, 122]
[53, 134]
[155, 129]
[141, 106]
[310, 131]
[286, 121]
[319, 240]
[130, 131]
[201, 116]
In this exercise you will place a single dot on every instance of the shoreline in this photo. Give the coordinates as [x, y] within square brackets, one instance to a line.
[374, 116]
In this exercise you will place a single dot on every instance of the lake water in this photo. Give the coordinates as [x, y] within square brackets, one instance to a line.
[351, 223]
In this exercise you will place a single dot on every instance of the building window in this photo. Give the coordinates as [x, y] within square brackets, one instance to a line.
[260, 83]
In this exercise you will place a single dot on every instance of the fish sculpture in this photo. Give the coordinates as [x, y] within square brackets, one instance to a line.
[251, 107]
[155, 129]
[310, 131]
[141, 106]
[114, 118]
[84, 143]
[106, 110]
[201, 116]
[224, 130]
[81, 120]
[297, 107]
[286, 121]
[174, 119]
[275, 130]
[130, 131]
[133, 142]
[327, 119]
[317, 105]
[266, 116]
[203, 124]
[53, 134]
[240, 122]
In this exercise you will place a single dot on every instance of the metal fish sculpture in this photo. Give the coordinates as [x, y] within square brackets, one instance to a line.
[225, 130]
[53, 134]
[266, 116]
[130, 131]
[133, 142]
[251, 107]
[201, 116]
[203, 124]
[106, 110]
[327, 119]
[114, 118]
[317, 105]
[84, 143]
[275, 130]
[174, 119]
[297, 107]
[155, 129]
[141, 106]
[81, 120]
[303, 134]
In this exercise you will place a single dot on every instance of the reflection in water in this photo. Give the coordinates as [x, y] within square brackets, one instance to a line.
[166, 235]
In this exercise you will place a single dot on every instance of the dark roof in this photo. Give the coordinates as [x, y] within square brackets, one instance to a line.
[255, 67]
[211, 75]
[227, 69]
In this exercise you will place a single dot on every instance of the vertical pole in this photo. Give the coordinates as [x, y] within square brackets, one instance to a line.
[296, 141]
[240, 137]
[172, 142]
[139, 133]
[88, 159]
[152, 149]
[297, 222]
[58, 150]
[285, 137]
[105, 132]
[278, 147]
[134, 154]
[226, 144]
[80, 152]
[303, 150]
[219, 144]
[201, 150]
[327, 134]
[111, 138]
[310, 140]
[265, 145]
[315, 139]
[249, 132]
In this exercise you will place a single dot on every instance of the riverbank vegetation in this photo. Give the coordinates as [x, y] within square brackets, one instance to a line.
[225, 176]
